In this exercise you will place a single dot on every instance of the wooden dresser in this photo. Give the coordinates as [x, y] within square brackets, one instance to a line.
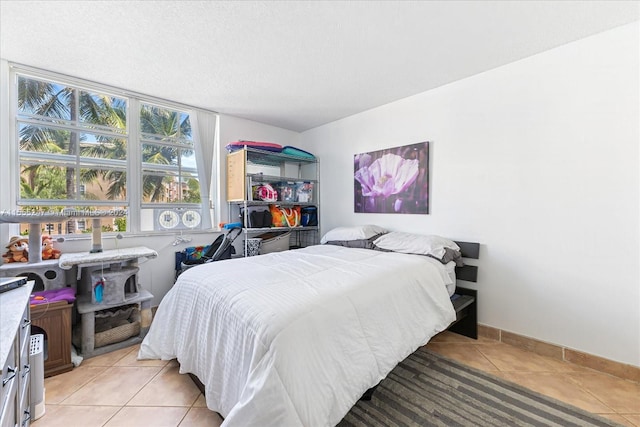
[54, 322]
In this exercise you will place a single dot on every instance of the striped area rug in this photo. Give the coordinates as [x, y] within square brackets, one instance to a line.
[427, 389]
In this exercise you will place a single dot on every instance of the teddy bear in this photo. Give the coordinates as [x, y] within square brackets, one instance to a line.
[18, 250]
[48, 251]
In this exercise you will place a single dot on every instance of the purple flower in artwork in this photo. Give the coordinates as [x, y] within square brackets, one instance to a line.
[362, 160]
[397, 205]
[390, 174]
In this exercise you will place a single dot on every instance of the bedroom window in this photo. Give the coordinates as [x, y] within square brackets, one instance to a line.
[89, 147]
[170, 179]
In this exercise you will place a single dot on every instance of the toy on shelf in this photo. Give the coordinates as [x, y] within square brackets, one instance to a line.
[48, 251]
[18, 250]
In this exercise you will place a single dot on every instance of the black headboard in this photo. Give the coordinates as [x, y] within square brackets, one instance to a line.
[468, 273]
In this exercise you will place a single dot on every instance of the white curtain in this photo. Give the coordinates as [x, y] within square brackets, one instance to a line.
[204, 132]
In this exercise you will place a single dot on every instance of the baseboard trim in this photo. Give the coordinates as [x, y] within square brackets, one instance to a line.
[621, 370]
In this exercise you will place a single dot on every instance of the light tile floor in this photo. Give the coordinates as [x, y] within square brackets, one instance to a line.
[593, 391]
[116, 390]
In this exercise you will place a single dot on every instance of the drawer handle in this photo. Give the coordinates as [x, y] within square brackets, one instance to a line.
[26, 370]
[27, 417]
[25, 323]
[10, 376]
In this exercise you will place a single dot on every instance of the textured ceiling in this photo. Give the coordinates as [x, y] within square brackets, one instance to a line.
[296, 65]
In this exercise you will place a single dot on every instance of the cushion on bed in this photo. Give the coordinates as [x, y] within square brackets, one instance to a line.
[451, 255]
[356, 232]
[268, 146]
[409, 243]
[357, 243]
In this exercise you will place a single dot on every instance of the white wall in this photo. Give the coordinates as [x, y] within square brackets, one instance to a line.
[538, 161]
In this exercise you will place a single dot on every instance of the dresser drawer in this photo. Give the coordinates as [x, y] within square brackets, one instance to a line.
[25, 347]
[9, 374]
[8, 411]
[24, 366]
[25, 383]
[24, 332]
[24, 411]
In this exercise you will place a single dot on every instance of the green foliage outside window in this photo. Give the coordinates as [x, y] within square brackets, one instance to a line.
[74, 145]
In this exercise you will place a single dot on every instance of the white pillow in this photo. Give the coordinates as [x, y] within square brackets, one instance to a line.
[409, 243]
[352, 233]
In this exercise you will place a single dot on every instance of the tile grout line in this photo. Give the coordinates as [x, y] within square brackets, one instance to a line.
[79, 387]
[568, 374]
[112, 416]
[132, 397]
[486, 358]
[162, 368]
[588, 393]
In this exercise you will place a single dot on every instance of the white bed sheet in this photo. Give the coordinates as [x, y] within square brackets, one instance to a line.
[295, 338]
[450, 268]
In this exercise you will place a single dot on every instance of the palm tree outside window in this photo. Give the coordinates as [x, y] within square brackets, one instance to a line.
[76, 150]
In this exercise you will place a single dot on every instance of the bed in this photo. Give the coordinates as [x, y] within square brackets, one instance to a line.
[295, 338]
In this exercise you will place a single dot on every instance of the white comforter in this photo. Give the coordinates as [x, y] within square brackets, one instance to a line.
[295, 338]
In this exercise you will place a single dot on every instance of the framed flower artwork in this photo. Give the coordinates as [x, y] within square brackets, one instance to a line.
[393, 180]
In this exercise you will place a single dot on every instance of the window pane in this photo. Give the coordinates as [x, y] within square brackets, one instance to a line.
[44, 99]
[38, 181]
[103, 110]
[103, 147]
[174, 190]
[169, 188]
[103, 184]
[145, 137]
[188, 160]
[190, 188]
[159, 155]
[161, 124]
[156, 187]
[44, 139]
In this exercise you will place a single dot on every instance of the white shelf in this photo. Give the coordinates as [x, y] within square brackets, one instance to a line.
[85, 305]
[267, 229]
[258, 178]
[86, 259]
[270, 158]
[277, 202]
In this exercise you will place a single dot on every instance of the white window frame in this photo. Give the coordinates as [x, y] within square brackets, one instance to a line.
[133, 202]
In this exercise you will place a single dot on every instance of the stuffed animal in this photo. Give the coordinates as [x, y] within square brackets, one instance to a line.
[48, 251]
[18, 250]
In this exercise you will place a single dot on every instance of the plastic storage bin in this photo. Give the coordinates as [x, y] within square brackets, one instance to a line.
[253, 246]
[274, 242]
[36, 361]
